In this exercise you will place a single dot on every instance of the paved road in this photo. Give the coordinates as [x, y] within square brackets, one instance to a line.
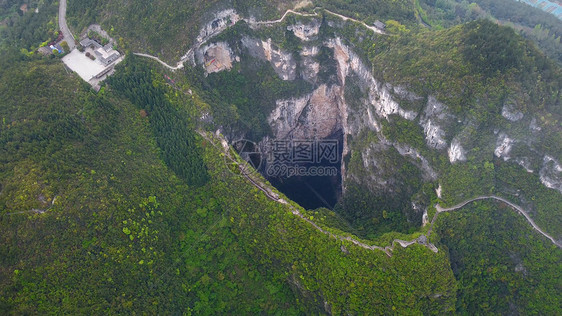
[64, 27]
[281, 19]
[513, 206]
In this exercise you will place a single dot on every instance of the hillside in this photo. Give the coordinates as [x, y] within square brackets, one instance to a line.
[111, 213]
[541, 27]
[168, 28]
[496, 93]
[139, 198]
[437, 104]
[166, 32]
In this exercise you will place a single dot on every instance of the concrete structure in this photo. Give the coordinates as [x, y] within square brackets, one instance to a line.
[107, 54]
[378, 24]
[90, 43]
[82, 65]
[94, 63]
[92, 71]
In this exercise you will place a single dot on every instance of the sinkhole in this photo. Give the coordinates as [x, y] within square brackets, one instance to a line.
[308, 171]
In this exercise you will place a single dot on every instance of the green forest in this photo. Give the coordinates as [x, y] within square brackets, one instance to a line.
[122, 201]
[500, 261]
[541, 27]
[126, 225]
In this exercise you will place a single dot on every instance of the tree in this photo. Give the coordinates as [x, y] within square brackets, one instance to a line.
[65, 46]
[395, 27]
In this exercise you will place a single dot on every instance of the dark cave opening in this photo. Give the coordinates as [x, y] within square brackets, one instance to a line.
[311, 192]
[306, 171]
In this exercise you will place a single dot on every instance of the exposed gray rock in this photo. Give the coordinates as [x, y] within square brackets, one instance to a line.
[219, 22]
[418, 160]
[283, 62]
[456, 152]
[534, 126]
[433, 117]
[510, 113]
[524, 162]
[551, 173]
[503, 146]
[306, 32]
[316, 115]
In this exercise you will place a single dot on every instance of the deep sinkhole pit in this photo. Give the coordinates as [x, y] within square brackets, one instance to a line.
[292, 108]
[306, 171]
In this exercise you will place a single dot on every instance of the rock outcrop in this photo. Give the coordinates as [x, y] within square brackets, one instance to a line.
[324, 111]
[551, 173]
[282, 61]
[216, 57]
[456, 152]
[306, 32]
[503, 146]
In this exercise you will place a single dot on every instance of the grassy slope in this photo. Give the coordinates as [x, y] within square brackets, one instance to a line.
[125, 234]
[97, 155]
[208, 245]
[541, 27]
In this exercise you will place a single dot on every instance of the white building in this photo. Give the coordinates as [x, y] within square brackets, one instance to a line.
[107, 54]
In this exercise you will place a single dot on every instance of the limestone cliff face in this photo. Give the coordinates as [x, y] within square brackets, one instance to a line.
[432, 120]
[380, 96]
[311, 67]
[329, 110]
[282, 61]
[314, 116]
[219, 22]
[324, 111]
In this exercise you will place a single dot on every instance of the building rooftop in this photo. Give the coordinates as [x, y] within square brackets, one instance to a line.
[379, 24]
[87, 42]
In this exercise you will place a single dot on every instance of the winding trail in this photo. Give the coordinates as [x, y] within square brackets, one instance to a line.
[345, 18]
[36, 210]
[513, 206]
[252, 23]
[178, 66]
[315, 14]
[422, 240]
